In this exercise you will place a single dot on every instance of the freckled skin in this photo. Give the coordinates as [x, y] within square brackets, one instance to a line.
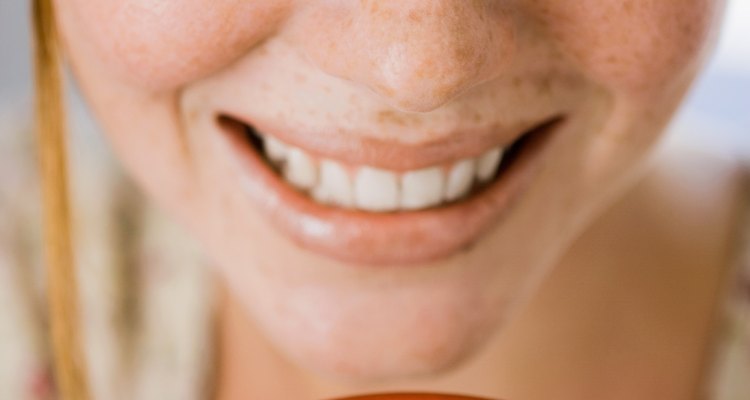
[165, 44]
[394, 71]
[630, 44]
[402, 59]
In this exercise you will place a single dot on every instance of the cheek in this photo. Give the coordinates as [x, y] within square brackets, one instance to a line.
[162, 44]
[631, 45]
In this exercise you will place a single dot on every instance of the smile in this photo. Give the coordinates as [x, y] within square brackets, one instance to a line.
[414, 207]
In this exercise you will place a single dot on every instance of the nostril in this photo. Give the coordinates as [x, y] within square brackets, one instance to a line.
[420, 75]
[420, 94]
[415, 55]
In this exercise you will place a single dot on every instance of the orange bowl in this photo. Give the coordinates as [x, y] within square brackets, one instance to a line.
[412, 396]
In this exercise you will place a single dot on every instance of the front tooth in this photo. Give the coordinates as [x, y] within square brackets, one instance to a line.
[334, 186]
[376, 190]
[460, 178]
[422, 188]
[275, 150]
[488, 163]
[300, 170]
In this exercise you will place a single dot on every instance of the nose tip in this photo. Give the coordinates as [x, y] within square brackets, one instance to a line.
[420, 75]
[417, 55]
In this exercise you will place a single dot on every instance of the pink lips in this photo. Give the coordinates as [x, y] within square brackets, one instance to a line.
[404, 238]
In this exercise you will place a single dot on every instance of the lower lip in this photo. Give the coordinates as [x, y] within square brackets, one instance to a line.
[392, 239]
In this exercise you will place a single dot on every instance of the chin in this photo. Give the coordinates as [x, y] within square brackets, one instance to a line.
[362, 340]
[378, 325]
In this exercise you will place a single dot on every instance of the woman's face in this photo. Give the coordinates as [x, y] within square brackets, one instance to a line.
[373, 235]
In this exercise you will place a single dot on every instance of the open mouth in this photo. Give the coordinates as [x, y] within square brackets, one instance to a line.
[374, 215]
[374, 189]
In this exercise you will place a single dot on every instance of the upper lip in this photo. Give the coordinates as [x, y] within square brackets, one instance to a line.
[388, 238]
[344, 146]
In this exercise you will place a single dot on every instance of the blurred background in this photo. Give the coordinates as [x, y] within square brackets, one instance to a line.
[718, 108]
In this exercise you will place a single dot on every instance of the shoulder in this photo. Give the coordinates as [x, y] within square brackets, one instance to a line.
[699, 197]
[696, 192]
[710, 186]
[708, 174]
[685, 223]
[686, 205]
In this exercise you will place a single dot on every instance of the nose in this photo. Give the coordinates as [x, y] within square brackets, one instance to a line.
[416, 54]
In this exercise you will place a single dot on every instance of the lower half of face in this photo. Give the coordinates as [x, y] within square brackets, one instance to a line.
[381, 184]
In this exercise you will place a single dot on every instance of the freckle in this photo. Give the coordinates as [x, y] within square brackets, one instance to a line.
[688, 29]
[192, 115]
[443, 91]
[464, 53]
[612, 59]
[546, 86]
[385, 90]
[300, 78]
[477, 117]
[427, 69]
[327, 89]
[627, 7]
[348, 22]
[371, 5]
[388, 116]
[414, 16]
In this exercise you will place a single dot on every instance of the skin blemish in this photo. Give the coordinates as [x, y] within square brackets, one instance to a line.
[392, 117]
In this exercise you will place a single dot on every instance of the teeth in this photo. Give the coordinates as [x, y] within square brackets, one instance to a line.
[460, 179]
[378, 190]
[422, 188]
[335, 186]
[488, 163]
[276, 151]
[300, 169]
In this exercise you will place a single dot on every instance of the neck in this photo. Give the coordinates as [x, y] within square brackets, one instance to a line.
[247, 365]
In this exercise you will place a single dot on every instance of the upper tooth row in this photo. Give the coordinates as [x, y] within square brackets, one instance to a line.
[374, 189]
